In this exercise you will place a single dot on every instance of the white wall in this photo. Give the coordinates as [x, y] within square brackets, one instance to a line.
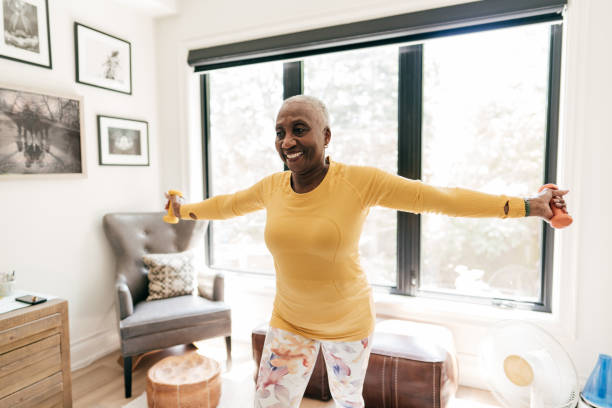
[52, 228]
[583, 266]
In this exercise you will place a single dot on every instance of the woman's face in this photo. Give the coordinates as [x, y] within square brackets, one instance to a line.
[301, 136]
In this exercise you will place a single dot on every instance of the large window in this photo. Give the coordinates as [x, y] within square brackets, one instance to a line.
[475, 110]
[243, 103]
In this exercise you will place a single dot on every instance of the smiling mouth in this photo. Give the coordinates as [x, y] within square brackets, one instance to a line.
[293, 156]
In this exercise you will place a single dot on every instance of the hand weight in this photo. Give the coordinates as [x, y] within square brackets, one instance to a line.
[170, 218]
[561, 218]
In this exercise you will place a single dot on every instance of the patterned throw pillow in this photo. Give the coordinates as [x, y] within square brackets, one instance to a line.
[170, 275]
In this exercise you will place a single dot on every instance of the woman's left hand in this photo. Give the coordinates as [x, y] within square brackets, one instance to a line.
[541, 203]
[176, 202]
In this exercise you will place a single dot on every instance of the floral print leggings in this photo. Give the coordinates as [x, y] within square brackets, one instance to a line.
[287, 362]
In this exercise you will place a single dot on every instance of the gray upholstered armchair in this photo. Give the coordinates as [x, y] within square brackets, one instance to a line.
[146, 326]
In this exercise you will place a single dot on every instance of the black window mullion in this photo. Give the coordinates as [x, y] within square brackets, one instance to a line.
[409, 164]
[206, 167]
[293, 82]
[550, 171]
[293, 79]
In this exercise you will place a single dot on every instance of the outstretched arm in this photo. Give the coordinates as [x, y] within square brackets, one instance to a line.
[222, 206]
[403, 194]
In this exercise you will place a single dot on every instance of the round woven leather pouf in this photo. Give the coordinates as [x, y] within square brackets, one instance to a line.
[187, 381]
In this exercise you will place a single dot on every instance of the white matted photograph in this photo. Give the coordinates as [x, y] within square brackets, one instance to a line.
[102, 60]
[40, 133]
[24, 32]
[123, 142]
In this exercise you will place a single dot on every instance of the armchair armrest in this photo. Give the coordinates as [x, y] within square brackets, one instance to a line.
[219, 287]
[124, 297]
[211, 285]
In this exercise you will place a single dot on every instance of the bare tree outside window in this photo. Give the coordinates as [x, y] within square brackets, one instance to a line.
[484, 127]
[243, 106]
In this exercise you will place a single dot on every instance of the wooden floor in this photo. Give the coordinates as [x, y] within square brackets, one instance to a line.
[100, 385]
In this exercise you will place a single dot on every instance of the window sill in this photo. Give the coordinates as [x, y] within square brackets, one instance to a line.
[446, 311]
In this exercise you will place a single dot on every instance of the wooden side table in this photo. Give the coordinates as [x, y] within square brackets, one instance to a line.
[35, 356]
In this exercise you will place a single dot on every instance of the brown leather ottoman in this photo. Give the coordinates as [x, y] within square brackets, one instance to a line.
[412, 365]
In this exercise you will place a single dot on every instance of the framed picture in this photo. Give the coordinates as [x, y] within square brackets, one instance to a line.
[40, 133]
[24, 32]
[102, 60]
[123, 142]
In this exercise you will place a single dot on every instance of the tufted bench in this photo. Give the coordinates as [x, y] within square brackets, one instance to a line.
[412, 365]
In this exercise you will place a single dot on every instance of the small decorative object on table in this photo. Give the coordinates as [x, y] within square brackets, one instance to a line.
[190, 380]
[7, 283]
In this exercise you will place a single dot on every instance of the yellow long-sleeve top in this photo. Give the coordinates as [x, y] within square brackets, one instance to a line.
[321, 290]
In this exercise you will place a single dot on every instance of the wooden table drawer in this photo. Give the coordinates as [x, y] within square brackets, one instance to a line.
[29, 332]
[45, 393]
[35, 357]
[39, 366]
[16, 360]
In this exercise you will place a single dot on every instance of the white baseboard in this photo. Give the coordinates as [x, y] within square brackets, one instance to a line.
[469, 371]
[87, 350]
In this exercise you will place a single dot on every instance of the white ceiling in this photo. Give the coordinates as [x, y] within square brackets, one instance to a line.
[153, 8]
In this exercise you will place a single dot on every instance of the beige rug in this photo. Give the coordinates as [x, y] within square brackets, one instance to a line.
[238, 388]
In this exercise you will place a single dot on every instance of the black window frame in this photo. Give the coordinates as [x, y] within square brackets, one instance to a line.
[410, 60]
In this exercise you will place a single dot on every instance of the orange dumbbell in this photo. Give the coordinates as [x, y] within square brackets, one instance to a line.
[170, 218]
[560, 218]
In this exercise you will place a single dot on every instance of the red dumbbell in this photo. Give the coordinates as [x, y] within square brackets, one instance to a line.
[561, 218]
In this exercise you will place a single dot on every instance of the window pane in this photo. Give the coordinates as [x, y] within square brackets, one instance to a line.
[484, 127]
[243, 105]
[360, 91]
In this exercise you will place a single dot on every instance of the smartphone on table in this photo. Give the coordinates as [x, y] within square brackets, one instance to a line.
[30, 299]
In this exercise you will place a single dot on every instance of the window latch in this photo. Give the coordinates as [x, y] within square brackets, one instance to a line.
[503, 304]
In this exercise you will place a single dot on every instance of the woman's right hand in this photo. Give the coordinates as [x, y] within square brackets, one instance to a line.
[176, 202]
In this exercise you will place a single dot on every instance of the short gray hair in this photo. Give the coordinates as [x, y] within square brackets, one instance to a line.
[316, 102]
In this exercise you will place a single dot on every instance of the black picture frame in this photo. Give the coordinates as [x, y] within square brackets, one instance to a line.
[123, 141]
[102, 60]
[26, 32]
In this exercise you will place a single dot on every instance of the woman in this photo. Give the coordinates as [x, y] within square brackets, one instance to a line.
[315, 213]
